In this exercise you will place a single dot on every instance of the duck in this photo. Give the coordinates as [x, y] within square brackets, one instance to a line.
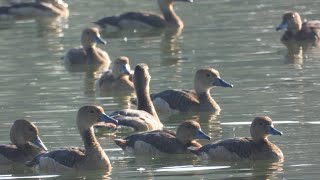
[91, 157]
[39, 8]
[198, 99]
[161, 142]
[26, 143]
[296, 30]
[143, 20]
[88, 53]
[117, 79]
[145, 117]
[256, 147]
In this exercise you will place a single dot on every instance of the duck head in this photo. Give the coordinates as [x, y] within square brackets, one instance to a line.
[91, 115]
[141, 77]
[25, 132]
[262, 127]
[90, 37]
[207, 78]
[121, 66]
[190, 130]
[290, 21]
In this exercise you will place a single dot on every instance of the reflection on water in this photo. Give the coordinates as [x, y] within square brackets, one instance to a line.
[236, 37]
[51, 26]
[171, 53]
[298, 51]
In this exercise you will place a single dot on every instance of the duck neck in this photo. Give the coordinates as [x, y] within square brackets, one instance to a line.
[294, 28]
[90, 141]
[182, 139]
[145, 103]
[260, 140]
[93, 55]
[169, 14]
[116, 72]
[206, 99]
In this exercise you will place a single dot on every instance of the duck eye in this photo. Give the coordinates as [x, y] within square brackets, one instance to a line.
[260, 124]
[208, 75]
[91, 111]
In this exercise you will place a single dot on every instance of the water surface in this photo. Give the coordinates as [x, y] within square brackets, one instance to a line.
[236, 37]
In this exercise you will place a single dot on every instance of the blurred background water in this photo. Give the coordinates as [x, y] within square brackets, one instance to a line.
[236, 37]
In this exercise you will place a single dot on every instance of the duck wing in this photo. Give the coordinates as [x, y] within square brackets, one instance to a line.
[18, 9]
[153, 20]
[11, 152]
[310, 30]
[106, 76]
[225, 149]
[76, 56]
[66, 157]
[180, 100]
[4, 10]
[137, 119]
[163, 140]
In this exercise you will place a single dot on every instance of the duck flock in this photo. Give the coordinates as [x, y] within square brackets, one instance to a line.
[149, 135]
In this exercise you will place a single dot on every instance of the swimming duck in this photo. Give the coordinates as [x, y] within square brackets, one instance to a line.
[88, 53]
[26, 143]
[40, 8]
[142, 20]
[119, 78]
[145, 118]
[258, 147]
[298, 31]
[92, 157]
[164, 141]
[198, 99]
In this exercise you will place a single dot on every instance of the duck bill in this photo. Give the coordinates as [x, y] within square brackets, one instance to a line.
[99, 40]
[201, 135]
[283, 25]
[37, 141]
[107, 119]
[222, 83]
[273, 131]
[125, 69]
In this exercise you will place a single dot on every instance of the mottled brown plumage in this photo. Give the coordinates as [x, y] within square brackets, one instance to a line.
[296, 30]
[118, 79]
[40, 8]
[198, 99]
[145, 118]
[141, 20]
[26, 143]
[163, 141]
[258, 147]
[88, 53]
[92, 157]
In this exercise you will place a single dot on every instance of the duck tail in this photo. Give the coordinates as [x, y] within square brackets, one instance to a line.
[194, 150]
[121, 143]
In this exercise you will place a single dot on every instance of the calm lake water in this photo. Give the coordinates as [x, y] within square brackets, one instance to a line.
[236, 37]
